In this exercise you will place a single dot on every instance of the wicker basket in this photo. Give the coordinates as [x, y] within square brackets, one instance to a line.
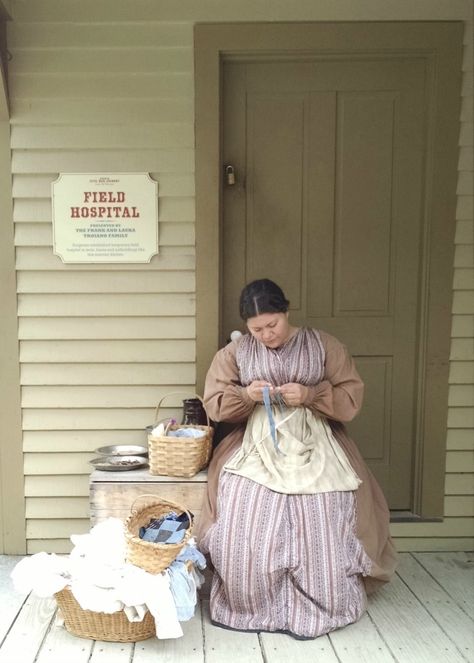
[113, 627]
[179, 456]
[152, 557]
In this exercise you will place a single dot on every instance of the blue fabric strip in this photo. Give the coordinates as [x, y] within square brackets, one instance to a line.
[271, 420]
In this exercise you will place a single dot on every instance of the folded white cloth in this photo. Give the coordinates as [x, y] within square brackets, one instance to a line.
[135, 613]
[43, 574]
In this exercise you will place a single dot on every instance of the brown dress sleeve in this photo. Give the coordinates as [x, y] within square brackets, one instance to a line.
[339, 395]
[224, 397]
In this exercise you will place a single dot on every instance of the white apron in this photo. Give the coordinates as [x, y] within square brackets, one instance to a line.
[305, 459]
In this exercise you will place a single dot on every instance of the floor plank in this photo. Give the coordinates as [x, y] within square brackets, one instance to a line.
[450, 617]
[224, 644]
[26, 635]
[455, 573]
[360, 643]
[279, 648]
[111, 652]
[188, 648]
[408, 629]
[60, 646]
[11, 599]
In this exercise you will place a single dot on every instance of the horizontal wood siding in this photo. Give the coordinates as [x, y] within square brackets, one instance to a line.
[100, 345]
[101, 85]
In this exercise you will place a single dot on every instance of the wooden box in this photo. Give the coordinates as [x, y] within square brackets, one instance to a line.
[112, 493]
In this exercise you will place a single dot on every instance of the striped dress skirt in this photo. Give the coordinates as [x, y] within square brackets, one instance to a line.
[284, 563]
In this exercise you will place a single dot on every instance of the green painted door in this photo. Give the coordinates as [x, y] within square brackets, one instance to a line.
[328, 160]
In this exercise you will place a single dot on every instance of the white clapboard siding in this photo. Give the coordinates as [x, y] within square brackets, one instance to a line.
[462, 349]
[461, 417]
[461, 395]
[90, 161]
[107, 86]
[111, 304]
[137, 60]
[110, 374]
[26, 185]
[463, 256]
[88, 34]
[53, 441]
[463, 301]
[460, 439]
[462, 326]
[58, 463]
[99, 111]
[458, 504]
[459, 483]
[464, 232]
[466, 159]
[51, 545]
[47, 485]
[460, 461]
[461, 372]
[107, 351]
[113, 282]
[94, 418]
[57, 528]
[169, 134]
[108, 396]
[110, 328]
[464, 279]
[54, 507]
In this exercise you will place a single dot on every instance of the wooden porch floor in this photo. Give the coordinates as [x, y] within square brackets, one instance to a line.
[426, 615]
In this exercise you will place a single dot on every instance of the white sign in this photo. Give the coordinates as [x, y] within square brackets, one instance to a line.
[105, 217]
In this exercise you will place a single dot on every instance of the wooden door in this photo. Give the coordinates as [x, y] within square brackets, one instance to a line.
[328, 157]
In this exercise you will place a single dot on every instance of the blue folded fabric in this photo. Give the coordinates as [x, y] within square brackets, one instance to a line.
[169, 529]
[183, 589]
[194, 555]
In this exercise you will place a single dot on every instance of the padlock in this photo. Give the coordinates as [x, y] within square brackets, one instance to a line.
[230, 175]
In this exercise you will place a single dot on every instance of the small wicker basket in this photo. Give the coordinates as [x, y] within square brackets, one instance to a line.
[114, 627]
[152, 557]
[179, 456]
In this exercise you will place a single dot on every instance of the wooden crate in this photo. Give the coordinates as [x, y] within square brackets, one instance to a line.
[112, 493]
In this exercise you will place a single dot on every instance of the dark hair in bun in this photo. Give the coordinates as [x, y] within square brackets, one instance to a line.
[262, 296]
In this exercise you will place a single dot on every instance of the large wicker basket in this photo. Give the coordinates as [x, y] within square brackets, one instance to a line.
[179, 456]
[114, 627]
[152, 557]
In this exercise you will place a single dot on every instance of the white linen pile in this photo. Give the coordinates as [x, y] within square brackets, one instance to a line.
[102, 581]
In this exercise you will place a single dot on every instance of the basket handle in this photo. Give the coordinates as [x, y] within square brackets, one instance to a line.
[180, 393]
[172, 506]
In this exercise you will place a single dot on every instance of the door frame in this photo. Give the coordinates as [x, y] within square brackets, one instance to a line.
[439, 44]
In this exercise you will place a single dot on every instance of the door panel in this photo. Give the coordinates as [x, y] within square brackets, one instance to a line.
[328, 158]
[363, 270]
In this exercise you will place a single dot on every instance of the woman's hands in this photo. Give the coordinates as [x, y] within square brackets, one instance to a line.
[292, 393]
[255, 390]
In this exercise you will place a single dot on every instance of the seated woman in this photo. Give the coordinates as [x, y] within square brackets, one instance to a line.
[295, 524]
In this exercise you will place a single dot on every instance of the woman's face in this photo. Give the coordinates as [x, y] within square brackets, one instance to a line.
[271, 329]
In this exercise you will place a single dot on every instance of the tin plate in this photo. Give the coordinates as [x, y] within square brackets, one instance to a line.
[119, 463]
[122, 450]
